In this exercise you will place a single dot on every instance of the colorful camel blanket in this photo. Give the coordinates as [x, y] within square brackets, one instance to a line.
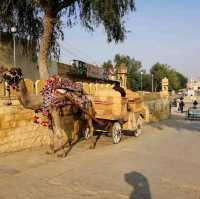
[59, 92]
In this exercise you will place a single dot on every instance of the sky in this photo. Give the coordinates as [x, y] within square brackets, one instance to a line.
[165, 31]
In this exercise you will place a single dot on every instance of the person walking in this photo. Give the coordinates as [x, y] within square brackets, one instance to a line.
[178, 105]
[195, 103]
[182, 104]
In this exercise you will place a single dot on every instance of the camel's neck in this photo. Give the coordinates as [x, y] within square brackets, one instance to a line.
[22, 93]
[26, 100]
[22, 89]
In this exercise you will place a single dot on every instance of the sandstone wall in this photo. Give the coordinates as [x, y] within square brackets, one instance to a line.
[157, 106]
[17, 131]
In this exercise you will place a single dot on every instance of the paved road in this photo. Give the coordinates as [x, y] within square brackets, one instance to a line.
[163, 163]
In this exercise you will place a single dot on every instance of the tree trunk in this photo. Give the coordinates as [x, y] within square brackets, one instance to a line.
[45, 44]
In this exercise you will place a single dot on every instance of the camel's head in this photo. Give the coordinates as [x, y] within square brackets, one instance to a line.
[13, 77]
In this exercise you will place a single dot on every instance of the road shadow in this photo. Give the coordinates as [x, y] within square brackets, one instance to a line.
[139, 182]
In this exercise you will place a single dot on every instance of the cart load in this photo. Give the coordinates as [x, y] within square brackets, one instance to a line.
[109, 105]
[135, 102]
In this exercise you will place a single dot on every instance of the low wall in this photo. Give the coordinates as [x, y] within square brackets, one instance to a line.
[190, 99]
[89, 88]
[157, 106]
[17, 131]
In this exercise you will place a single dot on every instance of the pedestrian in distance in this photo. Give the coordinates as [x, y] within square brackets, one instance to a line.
[195, 103]
[182, 104]
[178, 105]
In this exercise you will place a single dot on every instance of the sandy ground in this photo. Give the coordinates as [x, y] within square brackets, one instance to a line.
[163, 163]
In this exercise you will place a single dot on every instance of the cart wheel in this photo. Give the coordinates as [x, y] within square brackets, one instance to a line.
[139, 124]
[116, 132]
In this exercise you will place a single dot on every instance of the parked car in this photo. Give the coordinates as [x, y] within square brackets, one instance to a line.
[193, 113]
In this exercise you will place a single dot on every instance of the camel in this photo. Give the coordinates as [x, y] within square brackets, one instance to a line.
[14, 78]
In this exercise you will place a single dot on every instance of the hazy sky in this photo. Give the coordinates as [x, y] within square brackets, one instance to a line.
[165, 31]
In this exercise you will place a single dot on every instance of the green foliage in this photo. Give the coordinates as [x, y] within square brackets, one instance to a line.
[147, 81]
[134, 69]
[176, 79]
[26, 18]
[110, 13]
[159, 71]
[107, 66]
[182, 79]
[27, 15]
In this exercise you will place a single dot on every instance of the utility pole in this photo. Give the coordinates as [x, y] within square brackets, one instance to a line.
[152, 81]
[14, 30]
[141, 73]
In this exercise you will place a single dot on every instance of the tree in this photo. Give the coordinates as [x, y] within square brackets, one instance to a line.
[107, 66]
[134, 69]
[176, 79]
[174, 83]
[159, 71]
[46, 18]
[183, 80]
[27, 20]
[146, 81]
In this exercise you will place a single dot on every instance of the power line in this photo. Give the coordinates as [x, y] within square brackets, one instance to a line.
[81, 54]
[72, 53]
[80, 51]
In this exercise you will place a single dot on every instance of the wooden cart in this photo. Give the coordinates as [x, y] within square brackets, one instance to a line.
[117, 114]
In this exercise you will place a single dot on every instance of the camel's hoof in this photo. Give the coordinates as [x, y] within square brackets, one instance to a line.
[70, 142]
[61, 155]
[7, 103]
[50, 152]
[92, 147]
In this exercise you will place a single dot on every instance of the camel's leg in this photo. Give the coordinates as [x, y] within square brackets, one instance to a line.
[75, 134]
[51, 135]
[51, 146]
[76, 130]
[91, 130]
[59, 134]
[89, 125]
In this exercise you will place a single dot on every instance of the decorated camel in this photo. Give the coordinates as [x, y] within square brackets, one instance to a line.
[58, 96]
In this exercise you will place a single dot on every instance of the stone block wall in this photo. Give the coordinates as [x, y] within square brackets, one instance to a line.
[18, 132]
[35, 88]
[39, 84]
[157, 106]
[29, 84]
